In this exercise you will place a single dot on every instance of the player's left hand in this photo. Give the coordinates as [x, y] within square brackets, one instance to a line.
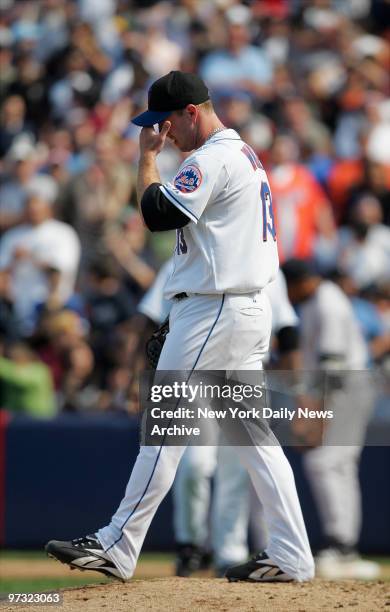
[308, 432]
[151, 141]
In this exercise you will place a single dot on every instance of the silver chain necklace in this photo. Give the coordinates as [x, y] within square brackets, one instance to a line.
[219, 129]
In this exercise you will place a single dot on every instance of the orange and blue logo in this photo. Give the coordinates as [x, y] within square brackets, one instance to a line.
[188, 179]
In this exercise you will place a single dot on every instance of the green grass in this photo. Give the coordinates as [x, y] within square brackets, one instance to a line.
[40, 554]
[35, 585]
[22, 554]
[378, 559]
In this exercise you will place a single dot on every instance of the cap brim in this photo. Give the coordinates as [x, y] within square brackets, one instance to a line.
[149, 118]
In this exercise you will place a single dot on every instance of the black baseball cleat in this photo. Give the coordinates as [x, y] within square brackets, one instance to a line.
[84, 554]
[190, 559]
[259, 569]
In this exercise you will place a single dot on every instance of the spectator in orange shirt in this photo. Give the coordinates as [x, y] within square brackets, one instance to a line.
[303, 213]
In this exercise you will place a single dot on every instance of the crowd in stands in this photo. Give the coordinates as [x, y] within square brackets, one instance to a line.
[306, 84]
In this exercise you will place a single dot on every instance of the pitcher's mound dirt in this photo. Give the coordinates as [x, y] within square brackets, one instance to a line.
[204, 594]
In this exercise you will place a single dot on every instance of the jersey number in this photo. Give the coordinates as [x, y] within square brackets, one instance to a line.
[268, 213]
[266, 199]
[181, 245]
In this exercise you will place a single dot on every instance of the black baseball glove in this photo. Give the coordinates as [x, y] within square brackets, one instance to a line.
[155, 344]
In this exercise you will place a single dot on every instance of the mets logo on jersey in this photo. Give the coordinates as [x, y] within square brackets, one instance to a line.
[188, 179]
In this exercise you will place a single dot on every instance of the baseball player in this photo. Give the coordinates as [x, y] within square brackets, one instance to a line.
[332, 342]
[220, 204]
[153, 304]
[231, 495]
[192, 486]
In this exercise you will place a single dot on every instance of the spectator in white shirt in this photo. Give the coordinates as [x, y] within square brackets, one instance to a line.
[41, 244]
[364, 246]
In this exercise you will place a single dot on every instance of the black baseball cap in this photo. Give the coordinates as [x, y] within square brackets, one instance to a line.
[172, 92]
[296, 270]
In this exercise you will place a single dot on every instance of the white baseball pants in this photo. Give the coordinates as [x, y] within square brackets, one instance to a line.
[228, 533]
[224, 332]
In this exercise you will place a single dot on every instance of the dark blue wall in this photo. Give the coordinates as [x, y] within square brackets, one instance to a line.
[65, 477]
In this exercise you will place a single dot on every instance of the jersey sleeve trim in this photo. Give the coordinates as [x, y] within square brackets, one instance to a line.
[178, 204]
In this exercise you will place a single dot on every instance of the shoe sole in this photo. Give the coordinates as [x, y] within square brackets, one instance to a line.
[258, 581]
[106, 573]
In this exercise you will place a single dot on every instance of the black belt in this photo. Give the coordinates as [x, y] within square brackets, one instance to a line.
[180, 296]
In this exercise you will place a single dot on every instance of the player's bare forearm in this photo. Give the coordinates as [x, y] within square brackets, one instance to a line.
[290, 360]
[151, 143]
[147, 174]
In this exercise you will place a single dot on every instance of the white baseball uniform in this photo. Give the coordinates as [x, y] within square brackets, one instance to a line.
[329, 327]
[223, 259]
[153, 303]
[192, 487]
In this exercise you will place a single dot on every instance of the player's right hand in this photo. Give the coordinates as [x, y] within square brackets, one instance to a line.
[151, 141]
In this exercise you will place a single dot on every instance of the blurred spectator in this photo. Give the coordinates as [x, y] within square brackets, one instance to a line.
[58, 334]
[92, 201]
[351, 122]
[375, 180]
[21, 165]
[127, 243]
[108, 302]
[312, 134]
[13, 123]
[109, 305]
[160, 55]
[117, 395]
[238, 112]
[350, 178]
[303, 213]
[8, 72]
[54, 303]
[343, 177]
[378, 139]
[72, 152]
[82, 67]
[313, 137]
[369, 316]
[30, 86]
[26, 383]
[240, 64]
[78, 391]
[380, 296]
[362, 249]
[10, 324]
[30, 251]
